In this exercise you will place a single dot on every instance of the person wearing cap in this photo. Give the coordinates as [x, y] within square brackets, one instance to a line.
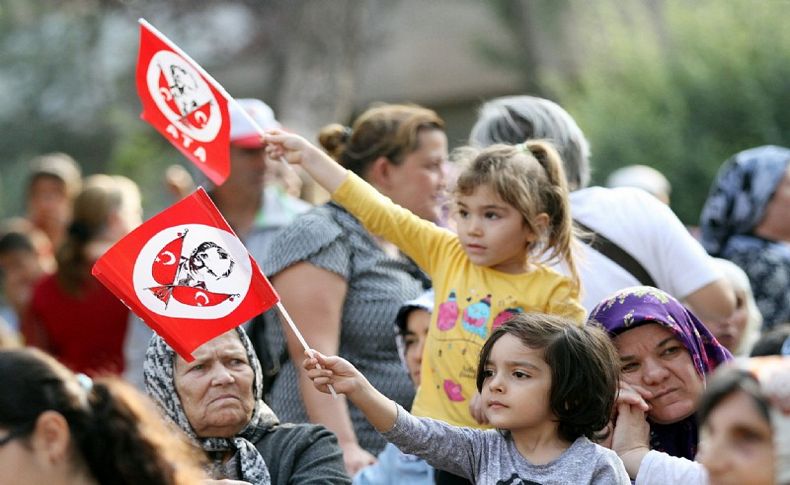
[253, 209]
[53, 182]
[392, 465]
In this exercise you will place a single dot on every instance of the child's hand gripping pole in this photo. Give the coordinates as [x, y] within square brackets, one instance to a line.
[285, 316]
[258, 128]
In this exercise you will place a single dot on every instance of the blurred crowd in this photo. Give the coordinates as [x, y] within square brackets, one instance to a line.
[418, 263]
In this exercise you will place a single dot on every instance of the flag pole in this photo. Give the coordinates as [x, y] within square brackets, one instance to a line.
[210, 79]
[285, 316]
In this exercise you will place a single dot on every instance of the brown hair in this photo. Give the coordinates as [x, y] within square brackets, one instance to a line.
[101, 196]
[116, 432]
[389, 130]
[584, 369]
[530, 178]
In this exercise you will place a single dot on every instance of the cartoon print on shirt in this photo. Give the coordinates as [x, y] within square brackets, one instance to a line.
[448, 313]
[505, 315]
[453, 390]
[476, 317]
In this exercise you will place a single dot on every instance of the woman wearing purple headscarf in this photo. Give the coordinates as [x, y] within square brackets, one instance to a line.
[745, 220]
[665, 354]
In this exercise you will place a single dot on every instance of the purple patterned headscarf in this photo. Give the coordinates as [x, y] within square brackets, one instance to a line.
[639, 305]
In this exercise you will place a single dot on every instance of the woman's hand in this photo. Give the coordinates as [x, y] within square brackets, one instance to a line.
[355, 458]
[631, 434]
[477, 409]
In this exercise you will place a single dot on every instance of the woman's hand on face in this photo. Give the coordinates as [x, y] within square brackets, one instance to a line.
[355, 458]
[633, 395]
[477, 409]
[325, 370]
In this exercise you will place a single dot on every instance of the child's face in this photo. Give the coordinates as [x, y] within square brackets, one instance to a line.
[516, 388]
[417, 324]
[492, 232]
[19, 272]
[48, 204]
[736, 444]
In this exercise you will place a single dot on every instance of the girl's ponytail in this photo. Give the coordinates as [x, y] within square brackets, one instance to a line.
[561, 237]
[120, 444]
[116, 434]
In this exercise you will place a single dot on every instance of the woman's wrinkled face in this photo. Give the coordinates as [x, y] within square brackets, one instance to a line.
[216, 388]
[418, 183]
[729, 331]
[654, 360]
[736, 443]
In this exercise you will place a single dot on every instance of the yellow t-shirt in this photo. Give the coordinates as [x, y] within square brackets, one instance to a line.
[470, 300]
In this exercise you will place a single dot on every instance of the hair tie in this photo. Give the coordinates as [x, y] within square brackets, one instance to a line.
[85, 382]
[80, 231]
[785, 351]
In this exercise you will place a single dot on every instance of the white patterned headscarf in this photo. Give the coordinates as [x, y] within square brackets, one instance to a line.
[159, 373]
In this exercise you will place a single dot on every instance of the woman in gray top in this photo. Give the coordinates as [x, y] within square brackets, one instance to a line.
[343, 286]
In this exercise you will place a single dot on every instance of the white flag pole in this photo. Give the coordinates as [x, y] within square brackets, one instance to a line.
[210, 79]
[284, 315]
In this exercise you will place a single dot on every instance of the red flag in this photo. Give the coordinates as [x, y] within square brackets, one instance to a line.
[183, 103]
[186, 274]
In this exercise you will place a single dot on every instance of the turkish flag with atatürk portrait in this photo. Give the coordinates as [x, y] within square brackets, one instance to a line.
[186, 105]
[186, 274]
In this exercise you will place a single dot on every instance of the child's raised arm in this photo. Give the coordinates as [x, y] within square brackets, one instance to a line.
[379, 410]
[327, 172]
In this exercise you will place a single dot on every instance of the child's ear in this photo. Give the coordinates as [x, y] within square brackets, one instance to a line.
[542, 222]
[379, 174]
[51, 438]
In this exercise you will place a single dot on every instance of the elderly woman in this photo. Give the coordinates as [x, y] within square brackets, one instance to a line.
[745, 220]
[739, 331]
[666, 353]
[217, 401]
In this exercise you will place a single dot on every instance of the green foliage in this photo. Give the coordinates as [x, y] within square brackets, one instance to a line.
[681, 92]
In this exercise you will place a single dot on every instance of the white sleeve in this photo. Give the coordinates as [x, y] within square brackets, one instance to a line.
[678, 263]
[658, 468]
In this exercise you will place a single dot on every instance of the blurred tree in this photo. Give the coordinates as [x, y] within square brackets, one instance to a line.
[680, 86]
[67, 75]
[541, 37]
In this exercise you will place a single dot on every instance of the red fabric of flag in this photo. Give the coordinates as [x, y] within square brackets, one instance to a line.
[183, 105]
[186, 274]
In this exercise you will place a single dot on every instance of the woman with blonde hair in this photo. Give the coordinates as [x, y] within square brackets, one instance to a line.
[72, 315]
